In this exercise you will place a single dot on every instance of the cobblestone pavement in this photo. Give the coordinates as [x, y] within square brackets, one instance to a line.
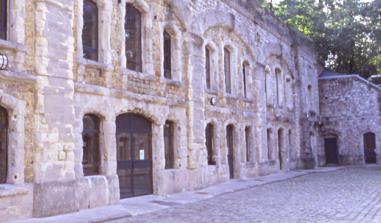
[346, 195]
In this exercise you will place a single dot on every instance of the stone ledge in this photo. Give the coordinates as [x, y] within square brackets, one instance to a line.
[11, 190]
[10, 45]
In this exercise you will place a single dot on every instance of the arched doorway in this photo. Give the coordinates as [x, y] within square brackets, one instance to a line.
[3, 145]
[230, 145]
[331, 150]
[370, 147]
[134, 155]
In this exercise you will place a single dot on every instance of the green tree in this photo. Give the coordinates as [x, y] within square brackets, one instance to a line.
[347, 33]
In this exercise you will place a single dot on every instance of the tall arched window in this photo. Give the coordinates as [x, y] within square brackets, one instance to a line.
[209, 136]
[268, 87]
[167, 47]
[279, 87]
[208, 67]
[90, 137]
[133, 28]
[227, 69]
[169, 147]
[90, 30]
[245, 73]
[3, 145]
[3, 19]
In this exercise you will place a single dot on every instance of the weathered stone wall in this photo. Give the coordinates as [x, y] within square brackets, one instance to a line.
[50, 86]
[350, 107]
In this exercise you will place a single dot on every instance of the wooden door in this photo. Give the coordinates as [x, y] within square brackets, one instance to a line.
[230, 143]
[370, 147]
[134, 166]
[3, 145]
[331, 151]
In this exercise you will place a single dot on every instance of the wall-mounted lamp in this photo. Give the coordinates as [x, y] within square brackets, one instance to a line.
[213, 100]
[3, 62]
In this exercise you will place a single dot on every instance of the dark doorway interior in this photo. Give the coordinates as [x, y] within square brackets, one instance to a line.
[370, 147]
[331, 151]
[230, 143]
[280, 148]
[134, 153]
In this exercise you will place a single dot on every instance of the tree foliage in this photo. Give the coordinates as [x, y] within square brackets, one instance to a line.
[347, 33]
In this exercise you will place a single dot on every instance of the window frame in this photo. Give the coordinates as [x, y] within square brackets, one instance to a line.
[139, 45]
[4, 20]
[208, 67]
[94, 48]
[228, 70]
[245, 78]
[167, 55]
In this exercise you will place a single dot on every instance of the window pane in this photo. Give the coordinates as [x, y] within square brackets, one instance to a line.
[244, 74]
[3, 19]
[228, 88]
[133, 30]
[207, 67]
[3, 145]
[209, 135]
[90, 30]
[169, 129]
[90, 136]
[167, 56]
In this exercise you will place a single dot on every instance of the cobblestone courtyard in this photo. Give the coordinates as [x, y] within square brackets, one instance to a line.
[347, 195]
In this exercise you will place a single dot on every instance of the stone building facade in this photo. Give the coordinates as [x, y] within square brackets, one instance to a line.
[350, 118]
[160, 96]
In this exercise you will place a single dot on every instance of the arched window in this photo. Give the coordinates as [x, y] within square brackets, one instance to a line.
[3, 145]
[227, 69]
[279, 87]
[91, 153]
[169, 133]
[3, 19]
[167, 47]
[90, 30]
[245, 73]
[268, 87]
[209, 136]
[208, 68]
[133, 28]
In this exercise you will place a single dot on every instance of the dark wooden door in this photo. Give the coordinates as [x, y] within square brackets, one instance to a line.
[230, 143]
[134, 152]
[370, 147]
[280, 148]
[331, 151]
[3, 145]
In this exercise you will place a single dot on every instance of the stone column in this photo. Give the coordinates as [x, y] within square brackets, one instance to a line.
[54, 164]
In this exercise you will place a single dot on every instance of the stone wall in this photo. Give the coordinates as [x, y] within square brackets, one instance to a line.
[350, 107]
[50, 86]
